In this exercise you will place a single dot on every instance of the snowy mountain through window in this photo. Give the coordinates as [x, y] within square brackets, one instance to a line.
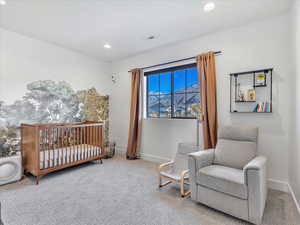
[172, 91]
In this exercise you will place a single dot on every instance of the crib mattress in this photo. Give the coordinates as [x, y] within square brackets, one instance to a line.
[61, 156]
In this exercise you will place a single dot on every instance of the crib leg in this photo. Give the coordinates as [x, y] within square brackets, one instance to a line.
[37, 180]
[100, 160]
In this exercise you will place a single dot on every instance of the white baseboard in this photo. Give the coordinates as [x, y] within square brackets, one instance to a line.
[278, 185]
[144, 156]
[153, 158]
[294, 198]
[120, 151]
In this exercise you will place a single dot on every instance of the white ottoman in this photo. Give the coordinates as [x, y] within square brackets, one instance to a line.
[10, 169]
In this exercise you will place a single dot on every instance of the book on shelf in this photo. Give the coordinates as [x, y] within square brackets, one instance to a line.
[256, 108]
[261, 107]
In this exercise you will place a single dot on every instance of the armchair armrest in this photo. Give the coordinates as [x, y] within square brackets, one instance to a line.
[200, 159]
[196, 161]
[256, 164]
[255, 173]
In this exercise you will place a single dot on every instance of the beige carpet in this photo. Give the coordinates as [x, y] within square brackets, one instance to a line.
[118, 192]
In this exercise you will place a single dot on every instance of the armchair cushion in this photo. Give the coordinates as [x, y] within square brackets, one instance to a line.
[235, 154]
[227, 180]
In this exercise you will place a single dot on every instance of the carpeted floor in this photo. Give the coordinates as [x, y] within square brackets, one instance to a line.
[118, 192]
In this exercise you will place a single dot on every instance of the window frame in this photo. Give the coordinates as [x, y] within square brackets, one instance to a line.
[171, 70]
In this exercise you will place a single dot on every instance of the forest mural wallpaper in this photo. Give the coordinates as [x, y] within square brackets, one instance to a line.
[48, 101]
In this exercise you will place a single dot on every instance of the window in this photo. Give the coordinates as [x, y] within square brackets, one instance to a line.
[172, 91]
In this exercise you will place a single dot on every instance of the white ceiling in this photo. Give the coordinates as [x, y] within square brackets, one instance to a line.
[86, 25]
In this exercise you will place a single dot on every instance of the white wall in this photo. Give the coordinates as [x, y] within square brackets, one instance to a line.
[294, 165]
[24, 60]
[258, 45]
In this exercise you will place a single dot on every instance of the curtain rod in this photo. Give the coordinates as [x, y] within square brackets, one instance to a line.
[179, 60]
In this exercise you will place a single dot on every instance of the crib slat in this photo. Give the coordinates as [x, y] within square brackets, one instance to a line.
[65, 150]
[68, 149]
[57, 148]
[52, 133]
[86, 146]
[91, 140]
[53, 144]
[64, 156]
[74, 143]
[92, 147]
[43, 150]
[46, 133]
[82, 141]
[49, 149]
[99, 139]
[95, 140]
[79, 142]
[96, 131]
[60, 147]
[88, 141]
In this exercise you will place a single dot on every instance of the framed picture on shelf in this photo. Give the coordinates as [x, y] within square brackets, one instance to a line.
[251, 95]
[260, 80]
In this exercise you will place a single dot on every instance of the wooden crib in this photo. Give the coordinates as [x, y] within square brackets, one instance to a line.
[51, 147]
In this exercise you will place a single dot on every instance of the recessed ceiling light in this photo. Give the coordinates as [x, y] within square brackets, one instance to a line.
[209, 6]
[2, 2]
[107, 46]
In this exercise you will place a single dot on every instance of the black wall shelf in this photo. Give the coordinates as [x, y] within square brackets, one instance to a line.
[244, 101]
[251, 91]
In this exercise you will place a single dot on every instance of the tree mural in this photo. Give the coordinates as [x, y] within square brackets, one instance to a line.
[49, 102]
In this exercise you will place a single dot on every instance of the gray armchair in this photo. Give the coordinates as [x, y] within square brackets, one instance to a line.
[231, 177]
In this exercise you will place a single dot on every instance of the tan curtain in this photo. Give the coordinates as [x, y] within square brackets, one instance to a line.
[135, 123]
[208, 94]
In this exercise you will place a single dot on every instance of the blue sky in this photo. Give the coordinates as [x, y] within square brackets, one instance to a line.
[164, 83]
